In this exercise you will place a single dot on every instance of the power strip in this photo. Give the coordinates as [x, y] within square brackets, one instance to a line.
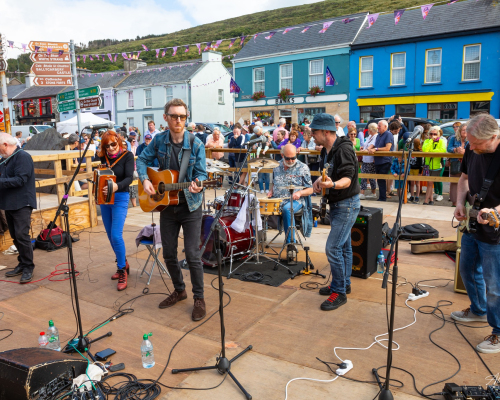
[422, 294]
[343, 371]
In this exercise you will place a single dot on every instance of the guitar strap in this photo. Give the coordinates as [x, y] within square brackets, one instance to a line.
[185, 159]
[492, 172]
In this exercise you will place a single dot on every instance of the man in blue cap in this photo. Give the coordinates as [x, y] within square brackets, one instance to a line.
[343, 197]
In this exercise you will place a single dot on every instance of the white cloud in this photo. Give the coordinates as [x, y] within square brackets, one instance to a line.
[60, 20]
[216, 10]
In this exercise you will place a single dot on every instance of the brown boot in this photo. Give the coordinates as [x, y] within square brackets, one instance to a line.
[117, 274]
[199, 309]
[122, 280]
[173, 299]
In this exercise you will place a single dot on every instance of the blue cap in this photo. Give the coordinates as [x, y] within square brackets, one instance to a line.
[323, 121]
[82, 140]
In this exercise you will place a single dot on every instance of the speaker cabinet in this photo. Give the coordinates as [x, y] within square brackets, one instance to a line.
[37, 374]
[366, 241]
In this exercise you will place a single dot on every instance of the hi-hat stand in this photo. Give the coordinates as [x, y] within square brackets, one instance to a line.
[385, 391]
[308, 267]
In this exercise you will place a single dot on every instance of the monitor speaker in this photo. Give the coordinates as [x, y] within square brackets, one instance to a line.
[366, 241]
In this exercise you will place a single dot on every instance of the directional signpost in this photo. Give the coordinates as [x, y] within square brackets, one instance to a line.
[43, 46]
[90, 102]
[52, 58]
[54, 81]
[68, 106]
[50, 68]
[82, 93]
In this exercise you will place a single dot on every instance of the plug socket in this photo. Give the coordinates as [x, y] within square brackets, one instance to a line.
[343, 371]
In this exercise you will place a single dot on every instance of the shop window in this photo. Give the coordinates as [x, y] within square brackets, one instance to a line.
[441, 111]
[263, 115]
[479, 107]
[406, 110]
[309, 113]
[368, 113]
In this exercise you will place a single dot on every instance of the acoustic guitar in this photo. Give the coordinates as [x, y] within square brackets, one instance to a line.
[471, 214]
[323, 201]
[167, 189]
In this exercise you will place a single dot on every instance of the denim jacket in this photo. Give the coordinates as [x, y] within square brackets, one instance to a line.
[453, 143]
[160, 148]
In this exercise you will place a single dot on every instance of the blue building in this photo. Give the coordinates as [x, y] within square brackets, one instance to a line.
[443, 67]
[296, 61]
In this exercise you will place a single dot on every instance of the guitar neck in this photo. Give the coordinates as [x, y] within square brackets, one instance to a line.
[179, 186]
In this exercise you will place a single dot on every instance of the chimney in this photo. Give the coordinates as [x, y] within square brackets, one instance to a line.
[132, 64]
[211, 56]
[28, 79]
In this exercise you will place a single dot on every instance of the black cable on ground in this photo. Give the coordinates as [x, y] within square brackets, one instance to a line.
[315, 285]
[255, 276]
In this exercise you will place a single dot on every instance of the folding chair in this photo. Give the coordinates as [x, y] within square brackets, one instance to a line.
[152, 253]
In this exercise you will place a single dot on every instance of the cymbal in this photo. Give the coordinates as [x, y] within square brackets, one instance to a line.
[217, 164]
[214, 170]
[263, 163]
[291, 187]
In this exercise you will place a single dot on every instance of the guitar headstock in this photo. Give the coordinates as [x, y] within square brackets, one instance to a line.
[493, 219]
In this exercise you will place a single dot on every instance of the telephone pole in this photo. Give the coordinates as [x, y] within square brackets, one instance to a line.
[3, 82]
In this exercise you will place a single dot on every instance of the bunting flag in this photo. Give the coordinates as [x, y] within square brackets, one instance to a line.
[163, 52]
[397, 15]
[217, 44]
[233, 87]
[425, 10]
[61, 53]
[11, 43]
[271, 34]
[371, 19]
[138, 54]
[347, 20]
[187, 48]
[255, 37]
[49, 51]
[24, 45]
[305, 29]
[288, 30]
[91, 59]
[232, 42]
[330, 80]
[157, 52]
[453, 1]
[124, 55]
[97, 56]
[84, 57]
[116, 56]
[242, 40]
[199, 47]
[78, 58]
[145, 48]
[110, 57]
[326, 25]
[207, 47]
[36, 49]
[175, 51]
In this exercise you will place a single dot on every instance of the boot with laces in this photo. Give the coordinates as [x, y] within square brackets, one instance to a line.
[116, 275]
[199, 309]
[172, 300]
[326, 290]
[122, 280]
[334, 301]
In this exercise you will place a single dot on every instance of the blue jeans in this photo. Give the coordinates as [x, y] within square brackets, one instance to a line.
[338, 245]
[287, 218]
[480, 271]
[382, 183]
[113, 217]
[264, 178]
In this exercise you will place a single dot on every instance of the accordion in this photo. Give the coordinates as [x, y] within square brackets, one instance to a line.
[104, 177]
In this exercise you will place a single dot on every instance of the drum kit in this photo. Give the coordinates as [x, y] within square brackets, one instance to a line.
[219, 215]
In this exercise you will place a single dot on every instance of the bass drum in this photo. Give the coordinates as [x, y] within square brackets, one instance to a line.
[241, 243]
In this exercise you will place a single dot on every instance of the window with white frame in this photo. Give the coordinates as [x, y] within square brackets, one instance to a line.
[130, 95]
[316, 73]
[433, 66]
[398, 69]
[130, 122]
[472, 62]
[286, 77]
[221, 96]
[259, 80]
[169, 93]
[148, 101]
[366, 71]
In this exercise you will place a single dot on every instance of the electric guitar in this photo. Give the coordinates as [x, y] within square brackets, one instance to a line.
[471, 213]
[167, 189]
[323, 201]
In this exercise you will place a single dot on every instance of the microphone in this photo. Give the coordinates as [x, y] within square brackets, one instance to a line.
[108, 125]
[260, 139]
[417, 131]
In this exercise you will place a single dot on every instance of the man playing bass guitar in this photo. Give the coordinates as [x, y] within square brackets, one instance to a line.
[480, 254]
[169, 147]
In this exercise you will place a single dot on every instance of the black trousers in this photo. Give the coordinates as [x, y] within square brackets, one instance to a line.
[19, 222]
[171, 220]
[382, 183]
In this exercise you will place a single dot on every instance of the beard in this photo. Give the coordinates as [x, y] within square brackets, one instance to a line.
[290, 164]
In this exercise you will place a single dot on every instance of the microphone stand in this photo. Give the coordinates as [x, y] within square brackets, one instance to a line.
[80, 344]
[385, 391]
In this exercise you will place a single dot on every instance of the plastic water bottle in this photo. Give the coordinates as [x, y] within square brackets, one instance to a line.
[380, 262]
[315, 222]
[148, 357]
[42, 340]
[53, 335]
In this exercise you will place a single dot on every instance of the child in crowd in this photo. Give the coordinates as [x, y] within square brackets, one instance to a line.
[397, 169]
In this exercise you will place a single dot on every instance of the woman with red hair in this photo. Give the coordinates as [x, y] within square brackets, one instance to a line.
[113, 153]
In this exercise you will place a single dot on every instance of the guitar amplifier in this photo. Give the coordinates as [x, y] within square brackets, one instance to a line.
[37, 374]
[459, 283]
[366, 241]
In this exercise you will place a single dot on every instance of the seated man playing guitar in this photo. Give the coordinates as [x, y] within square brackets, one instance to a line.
[169, 147]
[480, 254]
[291, 172]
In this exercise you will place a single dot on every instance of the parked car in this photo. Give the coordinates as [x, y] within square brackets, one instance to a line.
[448, 130]
[28, 130]
[410, 122]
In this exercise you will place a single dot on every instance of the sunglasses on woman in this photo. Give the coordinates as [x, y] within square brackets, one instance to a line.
[112, 144]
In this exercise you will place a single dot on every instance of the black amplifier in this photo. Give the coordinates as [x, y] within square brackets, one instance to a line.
[37, 374]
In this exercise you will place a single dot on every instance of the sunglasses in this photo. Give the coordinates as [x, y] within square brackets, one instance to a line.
[175, 117]
[434, 134]
[112, 144]
[337, 122]
[290, 158]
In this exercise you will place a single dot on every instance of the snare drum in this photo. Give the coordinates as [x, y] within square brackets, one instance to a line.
[235, 201]
[270, 206]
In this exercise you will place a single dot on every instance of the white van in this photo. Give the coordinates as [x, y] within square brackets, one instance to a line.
[28, 130]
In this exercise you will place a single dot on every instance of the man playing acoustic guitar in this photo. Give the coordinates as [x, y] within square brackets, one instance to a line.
[480, 255]
[169, 147]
